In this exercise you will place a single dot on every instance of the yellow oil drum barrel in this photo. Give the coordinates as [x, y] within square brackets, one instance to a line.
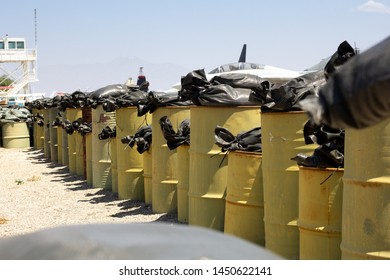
[130, 163]
[79, 150]
[244, 208]
[282, 139]
[38, 132]
[208, 176]
[35, 125]
[88, 158]
[87, 118]
[114, 164]
[59, 144]
[147, 158]
[72, 114]
[164, 160]
[64, 142]
[183, 175]
[366, 197]
[101, 160]
[15, 135]
[53, 135]
[320, 212]
[46, 133]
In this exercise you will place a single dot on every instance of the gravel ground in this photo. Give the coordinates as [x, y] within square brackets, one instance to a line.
[36, 194]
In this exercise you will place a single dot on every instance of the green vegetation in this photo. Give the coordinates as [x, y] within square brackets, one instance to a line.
[4, 81]
[19, 182]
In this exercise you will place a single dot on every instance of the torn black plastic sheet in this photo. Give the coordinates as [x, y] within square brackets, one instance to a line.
[175, 139]
[244, 141]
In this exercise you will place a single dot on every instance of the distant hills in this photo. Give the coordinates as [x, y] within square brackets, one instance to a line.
[89, 77]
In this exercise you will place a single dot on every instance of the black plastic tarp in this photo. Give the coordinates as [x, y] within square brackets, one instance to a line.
[287, 96]
[329, 153]
[343, 54]
[232, 89]
[77, 99]
[244, 141]
[68, 127]
[356, 94]
[84, 128]
[107, 132]
[111, 97]
[113, 91]
[239, 89]
[38, 118]
[175, 139]
[15, 114]
[142, 138]
[106, 96]
[161, 99]
[41, 103]
[78, 125]
[132, 98]
[63, 101]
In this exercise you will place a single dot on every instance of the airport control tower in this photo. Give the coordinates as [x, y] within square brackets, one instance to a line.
[17, 70]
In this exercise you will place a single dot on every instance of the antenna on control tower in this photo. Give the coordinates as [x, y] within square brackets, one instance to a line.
[35, 27]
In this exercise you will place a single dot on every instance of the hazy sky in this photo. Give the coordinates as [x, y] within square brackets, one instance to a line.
[193, 34]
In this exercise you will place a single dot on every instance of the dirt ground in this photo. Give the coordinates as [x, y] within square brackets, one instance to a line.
[37, 194]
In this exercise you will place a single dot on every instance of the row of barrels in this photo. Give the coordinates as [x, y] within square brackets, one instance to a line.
[15, 135]
[266, 198]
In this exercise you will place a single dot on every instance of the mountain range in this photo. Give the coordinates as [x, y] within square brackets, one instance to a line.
[65, 78]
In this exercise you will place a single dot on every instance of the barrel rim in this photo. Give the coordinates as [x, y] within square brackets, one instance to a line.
[214, 107]
[374, 182]
[324, 169]
[175, 107]
[257, 154]
[283, 113]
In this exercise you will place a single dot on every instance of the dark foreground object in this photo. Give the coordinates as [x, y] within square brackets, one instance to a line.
[141, 241]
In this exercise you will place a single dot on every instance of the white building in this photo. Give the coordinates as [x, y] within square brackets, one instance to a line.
[18, 64]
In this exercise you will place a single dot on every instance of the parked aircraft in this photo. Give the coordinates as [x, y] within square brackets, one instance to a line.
[274, 74]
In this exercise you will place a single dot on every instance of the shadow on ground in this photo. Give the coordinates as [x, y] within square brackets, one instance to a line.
[96, 195]
[136, 207]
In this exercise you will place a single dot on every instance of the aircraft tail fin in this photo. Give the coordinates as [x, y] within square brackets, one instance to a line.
[243, 54]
